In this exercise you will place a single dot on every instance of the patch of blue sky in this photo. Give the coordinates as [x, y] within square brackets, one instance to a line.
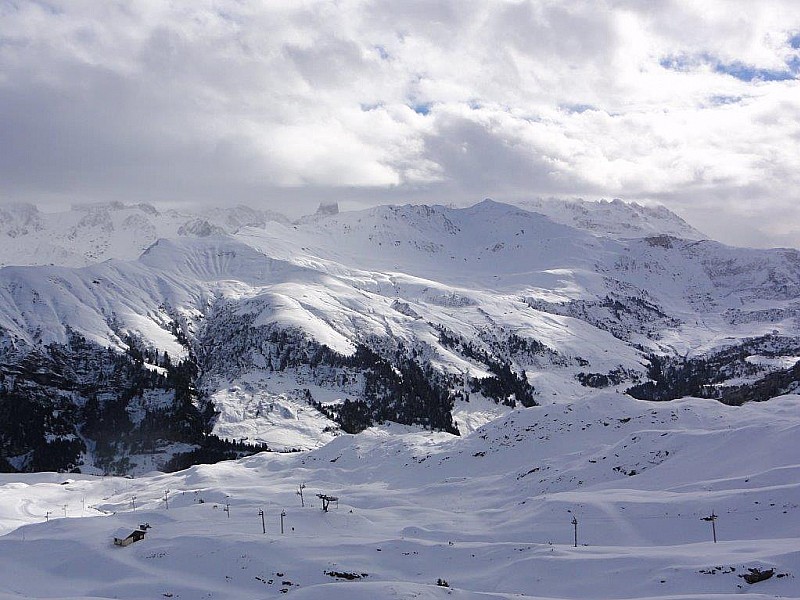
[794, 41]
[421, 108]
[736, 69]
[748, 73]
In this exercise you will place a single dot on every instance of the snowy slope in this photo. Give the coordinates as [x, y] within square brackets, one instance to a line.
[489, 514]
[699, 293]
[479, 245]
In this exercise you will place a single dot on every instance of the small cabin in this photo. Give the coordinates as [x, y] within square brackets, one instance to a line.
[125, 537]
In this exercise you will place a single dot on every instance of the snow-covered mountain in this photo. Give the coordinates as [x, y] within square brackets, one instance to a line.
[539, 342]
[87, 234]
[614, 218]
[286, 334]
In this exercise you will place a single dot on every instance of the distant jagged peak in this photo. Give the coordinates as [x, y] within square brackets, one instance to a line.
[98, 216]
[137, 222]
[19, 208]
[233, 218]
[324, 212]
[200, 228]
[114, 206]
[147, 208]
[88, 233]
[614, 218]
[17, 218]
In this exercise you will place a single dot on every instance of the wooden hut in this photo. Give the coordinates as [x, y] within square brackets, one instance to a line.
[125, 537]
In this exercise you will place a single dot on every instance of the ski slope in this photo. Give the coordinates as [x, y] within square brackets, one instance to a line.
[490, 513]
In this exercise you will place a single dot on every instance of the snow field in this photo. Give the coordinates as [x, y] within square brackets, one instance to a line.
[489, 513]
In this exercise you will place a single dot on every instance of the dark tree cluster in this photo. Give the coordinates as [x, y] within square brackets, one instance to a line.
[505, 385]
[401, 391]
[706, 377]
[57, 399]
[213, 449]
[602, 380]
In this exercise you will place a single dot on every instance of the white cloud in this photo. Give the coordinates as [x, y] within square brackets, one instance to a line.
[691, 104]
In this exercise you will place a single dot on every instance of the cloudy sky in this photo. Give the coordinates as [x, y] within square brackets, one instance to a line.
[284, 103]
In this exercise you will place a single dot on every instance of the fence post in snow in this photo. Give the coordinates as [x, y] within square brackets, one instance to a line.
[263, 525]
[300, 493]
